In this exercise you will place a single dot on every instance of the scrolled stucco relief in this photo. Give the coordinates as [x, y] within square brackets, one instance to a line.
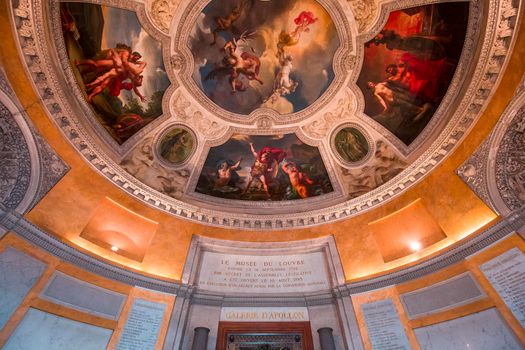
[383, 166]
[29, 168]
[184, 110]
[162, 12]
[141, 164]
[510, 163]
[496, 170]
[473, 173]
[15, 161]
[320, 127]
[364, 12]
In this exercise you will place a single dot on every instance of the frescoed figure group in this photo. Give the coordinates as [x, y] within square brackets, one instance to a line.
[286, 170]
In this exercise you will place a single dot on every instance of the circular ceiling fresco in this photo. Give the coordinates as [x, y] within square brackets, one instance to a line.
[263, 54]
[263, 113]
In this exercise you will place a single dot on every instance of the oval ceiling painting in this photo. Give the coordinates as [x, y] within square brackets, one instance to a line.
[275, 54]
[351, 145]
[176, 145]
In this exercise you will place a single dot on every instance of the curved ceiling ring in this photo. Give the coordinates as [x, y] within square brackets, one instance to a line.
[496, 43]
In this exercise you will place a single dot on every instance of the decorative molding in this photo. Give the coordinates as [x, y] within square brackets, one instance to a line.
[29, 168]
[365, 12]
[496, 171]
[31, 20]
[162, 12]
[473, 173]
[14, 222]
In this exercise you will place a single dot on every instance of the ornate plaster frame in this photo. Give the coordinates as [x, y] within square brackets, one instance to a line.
[482, 170]
[29, 19]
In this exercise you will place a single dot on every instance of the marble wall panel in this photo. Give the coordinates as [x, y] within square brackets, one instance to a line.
[453, 292]
[83, 296]
[326, 316]
[18, 273]
[40, 330]
[484, 330]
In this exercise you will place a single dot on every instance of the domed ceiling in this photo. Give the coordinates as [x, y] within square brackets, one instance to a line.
[264, 113]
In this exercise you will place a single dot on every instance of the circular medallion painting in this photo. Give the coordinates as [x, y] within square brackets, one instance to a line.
[273, 54]
[351, 145]
[176, 145]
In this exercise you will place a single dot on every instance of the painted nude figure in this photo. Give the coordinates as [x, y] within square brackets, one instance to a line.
[226, 23]
[124, 71]
[265, 166]
[300, 181]
[225, 173]
[237, 63]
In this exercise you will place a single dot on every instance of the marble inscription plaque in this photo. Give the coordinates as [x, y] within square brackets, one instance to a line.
[264, 314]
[506, 273]
[142, 326]
[263, 274]
[384, 326]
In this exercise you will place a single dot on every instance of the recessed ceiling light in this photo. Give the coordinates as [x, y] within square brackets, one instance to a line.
[415, 246]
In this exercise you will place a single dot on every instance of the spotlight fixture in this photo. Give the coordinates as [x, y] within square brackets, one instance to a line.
[415, 246]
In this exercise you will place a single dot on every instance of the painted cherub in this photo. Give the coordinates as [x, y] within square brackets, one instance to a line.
[226, 23]
[302, 22]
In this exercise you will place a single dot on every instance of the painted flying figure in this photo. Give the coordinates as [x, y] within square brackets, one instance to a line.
[237, 63]
[223, 24]
[118, 69]
[302, 22]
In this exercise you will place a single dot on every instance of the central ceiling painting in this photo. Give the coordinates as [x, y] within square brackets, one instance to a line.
[275, 54]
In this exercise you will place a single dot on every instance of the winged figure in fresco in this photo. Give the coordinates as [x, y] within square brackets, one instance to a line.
[118, 68]
[224, 24]
[302, 22]
[237, 63]
[265, 166]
